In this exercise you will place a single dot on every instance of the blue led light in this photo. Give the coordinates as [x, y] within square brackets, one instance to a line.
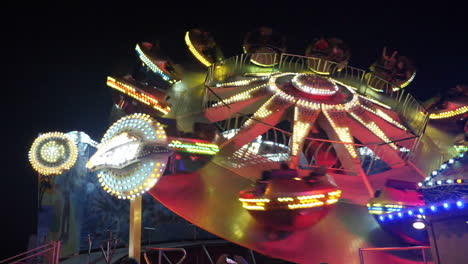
[439, 182]
[434, 173]
[400, 215]
[459, 203]
[461, 155]
[420, 184]
[390, 216]
[421, 210]
[433, 208]
[451, 161]
[449, 181]
[381, 218]
[446, 205]
[410, 212]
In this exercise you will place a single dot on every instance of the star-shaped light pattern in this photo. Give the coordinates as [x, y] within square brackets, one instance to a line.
[316, 102]
[53, 153]
[131, 157]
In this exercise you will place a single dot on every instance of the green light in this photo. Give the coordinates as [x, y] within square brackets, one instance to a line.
[198, 147]
[461, 148]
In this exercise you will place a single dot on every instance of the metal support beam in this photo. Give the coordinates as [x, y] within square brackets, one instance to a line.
[134, 237]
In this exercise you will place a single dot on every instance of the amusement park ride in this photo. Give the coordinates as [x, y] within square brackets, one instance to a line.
[297, 147]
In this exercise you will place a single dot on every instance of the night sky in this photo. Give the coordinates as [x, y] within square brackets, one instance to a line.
[58, 58]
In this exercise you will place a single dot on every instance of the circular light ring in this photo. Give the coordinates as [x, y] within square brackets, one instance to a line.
[315, 85]
[53, 153]
[139, 177]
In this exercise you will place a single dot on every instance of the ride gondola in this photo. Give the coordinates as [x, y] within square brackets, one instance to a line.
[326, 55]
[265, 46]
[202, 45]
[395, 197]
[391, 73]
[284, 200]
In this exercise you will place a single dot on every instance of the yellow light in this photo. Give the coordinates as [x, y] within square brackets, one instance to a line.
[262, 112]
[195, 52]
[334, 193]
[372, 126]
[137, 94]
[240, 96]
[315, 196]
[308, 205]
[255, 200]
[384, 116]
[239, 83]
[450, 113]
[253, 207]
[375, 102]
[285, 199]
[53, 153]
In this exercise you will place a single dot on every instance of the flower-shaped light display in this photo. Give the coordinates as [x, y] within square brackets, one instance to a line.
[53, 153]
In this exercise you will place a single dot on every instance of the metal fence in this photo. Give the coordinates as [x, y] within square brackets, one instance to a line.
[48, 253]
[316, 152]
[413, 114]
[409, 108]
[422, 248]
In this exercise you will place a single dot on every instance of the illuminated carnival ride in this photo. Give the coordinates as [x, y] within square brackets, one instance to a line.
[296, 146]
[325, 50]
[265, 45]
[395, 69]
[395, 197]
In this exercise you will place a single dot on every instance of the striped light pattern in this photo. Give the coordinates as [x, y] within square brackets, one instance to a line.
[194, 51]
[336, 109]
[322, 198]
[378, 208]
[194, 147]
[449, 113]
[137, 94]
[152, 66]
[240, 96]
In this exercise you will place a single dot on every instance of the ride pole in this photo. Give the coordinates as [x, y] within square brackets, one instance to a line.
[134, 236]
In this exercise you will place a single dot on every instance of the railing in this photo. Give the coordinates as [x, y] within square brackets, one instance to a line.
[422, 248]
[275, 139]
[411, 110]
[161, 254]
[48, 253]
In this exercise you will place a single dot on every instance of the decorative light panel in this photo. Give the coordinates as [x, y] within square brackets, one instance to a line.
[131, 157]
[53, 153]
[137, 94]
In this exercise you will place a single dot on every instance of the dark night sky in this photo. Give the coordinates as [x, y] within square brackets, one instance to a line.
[58, 58]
